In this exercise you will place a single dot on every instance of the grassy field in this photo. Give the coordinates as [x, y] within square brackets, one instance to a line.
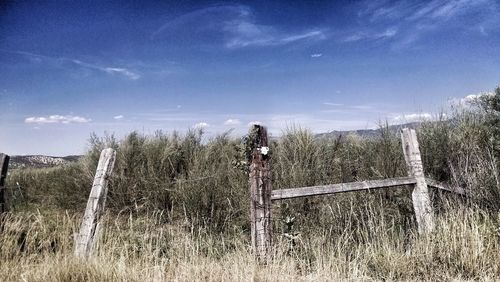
[178, 210]
[146, 248]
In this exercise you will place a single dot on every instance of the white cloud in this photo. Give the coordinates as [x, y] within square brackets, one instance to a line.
[316, 55]
[201, 125]
[57, 119]
[413, 117]
[118, 117]
[232, 122]
[473, 97]
[468, 100]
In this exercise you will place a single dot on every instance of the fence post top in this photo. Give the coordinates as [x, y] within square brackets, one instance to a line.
[407, 129]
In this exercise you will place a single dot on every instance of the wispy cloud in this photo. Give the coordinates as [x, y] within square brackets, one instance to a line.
[57, 119]
[123, 71]
[316, 55]
[314, 34]
[63, 61]
[372, 35]
[361, 107]
[118, 117]
[406, 22]
[237, 27]
[444, 10]
[332, 104]
[267, 36]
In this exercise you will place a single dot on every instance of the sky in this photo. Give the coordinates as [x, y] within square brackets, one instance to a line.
[70, 68]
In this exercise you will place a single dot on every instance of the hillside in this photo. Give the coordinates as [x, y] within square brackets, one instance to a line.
[368, 133]
[40, 161]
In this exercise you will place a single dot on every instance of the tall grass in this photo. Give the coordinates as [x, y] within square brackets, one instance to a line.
[178, 207]
[143, 248]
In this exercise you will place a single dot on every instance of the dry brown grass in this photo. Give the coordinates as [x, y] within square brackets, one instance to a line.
[465, 246]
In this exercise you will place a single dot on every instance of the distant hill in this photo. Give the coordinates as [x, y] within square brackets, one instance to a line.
[40, 161]
[367, 133]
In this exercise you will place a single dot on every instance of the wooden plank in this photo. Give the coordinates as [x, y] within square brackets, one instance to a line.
[443, 186]
[420, 194]
[85, 240]
[4, 166]
[340, 188]
[260, 193]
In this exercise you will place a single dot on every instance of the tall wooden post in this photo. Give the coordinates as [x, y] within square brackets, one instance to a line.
[260, 193]
[4, 166]
[86, 238]
[420, 194]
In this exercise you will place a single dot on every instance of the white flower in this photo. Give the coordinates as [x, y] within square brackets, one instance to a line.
[264, 150]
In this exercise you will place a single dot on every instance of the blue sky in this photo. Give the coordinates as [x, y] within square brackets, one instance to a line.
[69, 68]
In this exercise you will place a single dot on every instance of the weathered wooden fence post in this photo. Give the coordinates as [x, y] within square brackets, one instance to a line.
[85, 239]
[420, 194]
[260, 193]
[4, 166]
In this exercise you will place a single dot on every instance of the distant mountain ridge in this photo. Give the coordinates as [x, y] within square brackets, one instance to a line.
[40, 161]
[367, 133]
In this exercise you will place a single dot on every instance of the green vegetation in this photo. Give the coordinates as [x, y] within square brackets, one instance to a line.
[178, 209]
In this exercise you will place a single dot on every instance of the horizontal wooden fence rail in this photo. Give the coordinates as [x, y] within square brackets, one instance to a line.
[298, 192]
[340, 188]
[443, 186]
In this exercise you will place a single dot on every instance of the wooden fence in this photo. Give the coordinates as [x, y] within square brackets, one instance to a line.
[4, 166]
[86, 238]
[261, 193]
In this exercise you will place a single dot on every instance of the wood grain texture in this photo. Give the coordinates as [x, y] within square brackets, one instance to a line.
[444, 186]
[4, 166]
[260, 193]
[85, 240]
[341, 188]
[420, 194]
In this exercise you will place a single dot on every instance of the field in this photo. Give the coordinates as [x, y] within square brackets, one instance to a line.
[178, 209]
